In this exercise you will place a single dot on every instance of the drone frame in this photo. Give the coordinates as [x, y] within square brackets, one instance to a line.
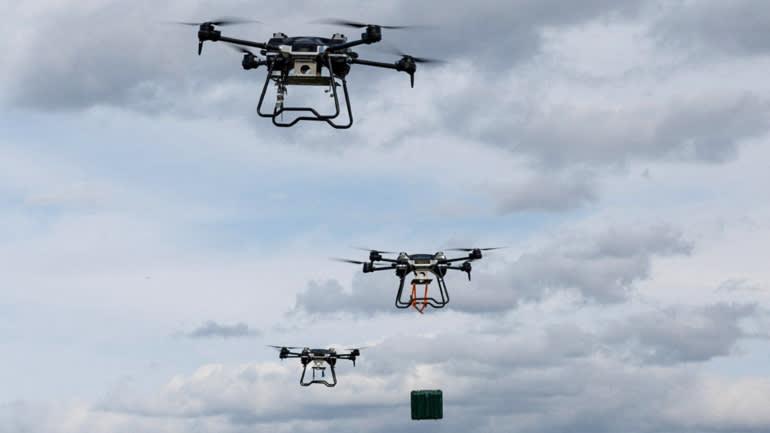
[423, 301]
[330, 357]
[279, 109]
[403, 267]
[278, 72]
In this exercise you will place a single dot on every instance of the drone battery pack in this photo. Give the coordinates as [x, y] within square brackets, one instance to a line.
[427, 404]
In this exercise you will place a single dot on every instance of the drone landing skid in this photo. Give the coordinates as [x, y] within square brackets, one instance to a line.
[279, 109]
[420, 304]
[322, 381]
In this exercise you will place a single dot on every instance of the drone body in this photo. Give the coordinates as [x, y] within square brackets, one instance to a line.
[320, 359]
[307, 61]
[424, 269]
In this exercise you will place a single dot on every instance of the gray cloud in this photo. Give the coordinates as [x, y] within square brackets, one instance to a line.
[706, 129]
[736, 27]
[738, 285]
[546, 193]
[563, 379]
[113, 54]
[372, 293]
[121, 53]
[213, 329]
[599, 267]
[677, 335]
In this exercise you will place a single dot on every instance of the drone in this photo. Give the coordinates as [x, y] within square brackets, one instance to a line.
[424, 268]
[320, 359]
[307, 61]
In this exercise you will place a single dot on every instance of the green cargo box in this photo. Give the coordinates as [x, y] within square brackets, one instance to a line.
[427, 404]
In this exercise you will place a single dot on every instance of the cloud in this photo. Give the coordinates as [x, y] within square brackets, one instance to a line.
[705, 128]
[546, 194]
[564, 378]
[738, 285]
[676, 335]
[213, 329]
[713, 26]
[372, 293]
[121, 53]
[599, 267]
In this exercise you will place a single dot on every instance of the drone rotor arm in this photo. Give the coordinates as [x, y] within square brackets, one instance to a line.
[244, 42]
[374, 64]
[457, 259]
[383, 268]
[466, 267]
[387, 260]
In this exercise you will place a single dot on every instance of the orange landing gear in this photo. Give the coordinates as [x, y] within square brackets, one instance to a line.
[421, 303]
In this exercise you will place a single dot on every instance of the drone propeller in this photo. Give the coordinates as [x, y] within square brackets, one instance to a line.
[250, 59]
[284, 347]
[209, 25]
[360, 25]
[241, 49]
[374, 251]
[356, 348]
[225, 21]
[393, 50]
[467, 250]
[355, 262]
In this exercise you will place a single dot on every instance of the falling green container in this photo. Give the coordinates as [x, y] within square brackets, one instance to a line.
[427, 404]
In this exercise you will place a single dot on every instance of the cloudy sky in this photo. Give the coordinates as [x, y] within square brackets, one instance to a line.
[155, 234]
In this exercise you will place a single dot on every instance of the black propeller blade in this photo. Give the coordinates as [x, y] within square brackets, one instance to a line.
[355, 262]
[467, 250]
[284, 347]
[360, 25]
[241, 49]
[225, 21]
[389, 48]
[424, 60]
[208, 25]
[374, 251]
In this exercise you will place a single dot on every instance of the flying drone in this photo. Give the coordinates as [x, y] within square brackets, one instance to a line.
[320, 358]
[424, 268]
[307, 61]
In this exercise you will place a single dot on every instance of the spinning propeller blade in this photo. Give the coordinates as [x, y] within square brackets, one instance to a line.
[360, 25]
[374, 251]
[355, 262]
[224, 21]
[241, 49]
[388, 48]
[356, 348]
[472, 249]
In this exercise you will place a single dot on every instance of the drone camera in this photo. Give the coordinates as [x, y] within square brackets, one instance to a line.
[306, 68]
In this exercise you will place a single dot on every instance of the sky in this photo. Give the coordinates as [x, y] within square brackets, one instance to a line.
[156, 235]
